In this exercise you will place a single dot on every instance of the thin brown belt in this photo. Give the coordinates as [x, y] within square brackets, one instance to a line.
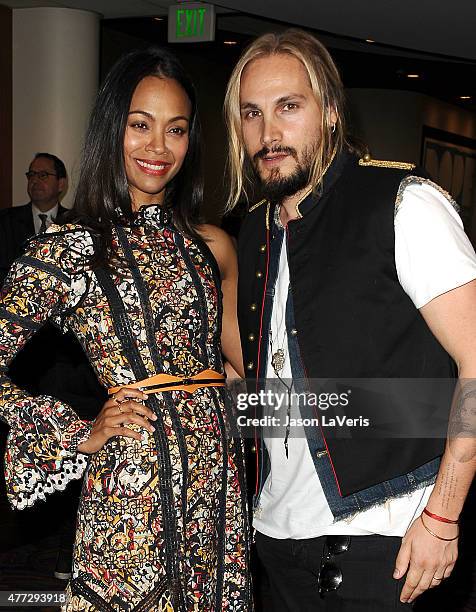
[166, 382]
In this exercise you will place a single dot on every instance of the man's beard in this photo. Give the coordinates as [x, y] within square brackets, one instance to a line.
[276, 187]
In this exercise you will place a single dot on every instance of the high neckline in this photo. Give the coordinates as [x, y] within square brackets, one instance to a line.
[154, 215]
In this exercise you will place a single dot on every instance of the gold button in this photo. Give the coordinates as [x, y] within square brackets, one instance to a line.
[367, 157]
[263, 248]
[321, 453]
[251, 337]
[253, 307]
[250, 366]
[259, 274]
[294, 332]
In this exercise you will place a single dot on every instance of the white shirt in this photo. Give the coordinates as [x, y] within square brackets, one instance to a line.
[50, 216]
[433, 255]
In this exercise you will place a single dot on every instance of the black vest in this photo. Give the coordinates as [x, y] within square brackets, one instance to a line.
[353, 319]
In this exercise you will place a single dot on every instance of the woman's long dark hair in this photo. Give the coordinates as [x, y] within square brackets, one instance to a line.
[102, 196]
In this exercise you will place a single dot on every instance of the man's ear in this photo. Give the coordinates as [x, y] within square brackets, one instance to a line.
[62, 186]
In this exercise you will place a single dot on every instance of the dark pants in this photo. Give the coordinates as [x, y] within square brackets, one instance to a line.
[291, 569]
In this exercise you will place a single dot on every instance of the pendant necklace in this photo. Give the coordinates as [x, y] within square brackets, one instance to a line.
[278, 359]
[278, 354]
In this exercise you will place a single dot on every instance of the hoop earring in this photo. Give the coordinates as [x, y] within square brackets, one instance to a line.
[333, 129]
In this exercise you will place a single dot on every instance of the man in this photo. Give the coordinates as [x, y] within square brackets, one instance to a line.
[348, 268]
[46, 184]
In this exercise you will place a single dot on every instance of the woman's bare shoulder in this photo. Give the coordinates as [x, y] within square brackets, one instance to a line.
[220, 244]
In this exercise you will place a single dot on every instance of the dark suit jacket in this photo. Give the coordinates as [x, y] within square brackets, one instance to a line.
[51, 363]
[16, 226]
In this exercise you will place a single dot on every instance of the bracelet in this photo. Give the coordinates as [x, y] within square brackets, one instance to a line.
[442, 519]
[436, 535]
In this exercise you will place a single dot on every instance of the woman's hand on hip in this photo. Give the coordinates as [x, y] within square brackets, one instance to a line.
[123, 408]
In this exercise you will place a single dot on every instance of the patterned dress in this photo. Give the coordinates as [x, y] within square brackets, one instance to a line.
[162, 521]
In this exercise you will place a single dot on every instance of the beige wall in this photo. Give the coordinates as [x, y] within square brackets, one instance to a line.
[55, 78]
[391, 122]
[5, 107]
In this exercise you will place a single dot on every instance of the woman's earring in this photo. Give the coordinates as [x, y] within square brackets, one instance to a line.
[333, 128]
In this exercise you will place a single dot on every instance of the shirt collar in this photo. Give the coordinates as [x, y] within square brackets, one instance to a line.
[52, 213]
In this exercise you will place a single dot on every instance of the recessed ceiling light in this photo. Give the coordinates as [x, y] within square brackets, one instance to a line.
[369, 40]
[158, 18]
[230, 42]
[413, 76]
[465, 97]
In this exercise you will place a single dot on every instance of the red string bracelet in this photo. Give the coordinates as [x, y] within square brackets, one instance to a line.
[442, 519]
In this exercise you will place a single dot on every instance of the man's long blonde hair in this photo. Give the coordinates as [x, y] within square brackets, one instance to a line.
[325, 84]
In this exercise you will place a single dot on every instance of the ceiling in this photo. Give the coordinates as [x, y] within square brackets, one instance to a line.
[434, 26]
[411, 36]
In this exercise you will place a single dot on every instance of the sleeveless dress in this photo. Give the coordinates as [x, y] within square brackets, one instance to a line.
[162, 522]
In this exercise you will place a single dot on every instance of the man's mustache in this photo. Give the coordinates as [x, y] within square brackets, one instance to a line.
[265, 151]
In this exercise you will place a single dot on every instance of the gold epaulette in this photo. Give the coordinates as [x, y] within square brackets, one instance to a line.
[255, 206]
[367, 161]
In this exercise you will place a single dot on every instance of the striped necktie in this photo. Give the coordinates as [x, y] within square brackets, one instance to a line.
[43, 226]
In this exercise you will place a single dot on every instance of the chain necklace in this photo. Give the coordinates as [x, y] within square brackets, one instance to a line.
[278, 360]
[278, 356]
[279, 350]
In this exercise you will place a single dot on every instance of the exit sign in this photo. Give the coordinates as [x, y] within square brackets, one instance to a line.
[191, 22]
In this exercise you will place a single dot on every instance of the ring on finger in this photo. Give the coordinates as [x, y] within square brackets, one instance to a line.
[119, 400]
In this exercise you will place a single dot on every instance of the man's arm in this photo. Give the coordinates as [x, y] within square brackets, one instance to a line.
[452, 319]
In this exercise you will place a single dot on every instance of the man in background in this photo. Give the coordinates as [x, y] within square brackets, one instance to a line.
[46, 184]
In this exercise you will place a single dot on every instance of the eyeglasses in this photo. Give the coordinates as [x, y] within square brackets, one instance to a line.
[330, 575]
[42, 174]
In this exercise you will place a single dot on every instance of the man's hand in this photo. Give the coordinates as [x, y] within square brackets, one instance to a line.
[427, 559]
[117, 412]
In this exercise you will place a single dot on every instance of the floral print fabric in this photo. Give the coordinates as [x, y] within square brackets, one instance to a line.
[162, 521]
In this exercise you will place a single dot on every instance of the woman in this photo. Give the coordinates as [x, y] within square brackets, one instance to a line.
[161, 523]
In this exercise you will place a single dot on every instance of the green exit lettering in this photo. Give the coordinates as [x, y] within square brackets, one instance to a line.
[190, 22]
